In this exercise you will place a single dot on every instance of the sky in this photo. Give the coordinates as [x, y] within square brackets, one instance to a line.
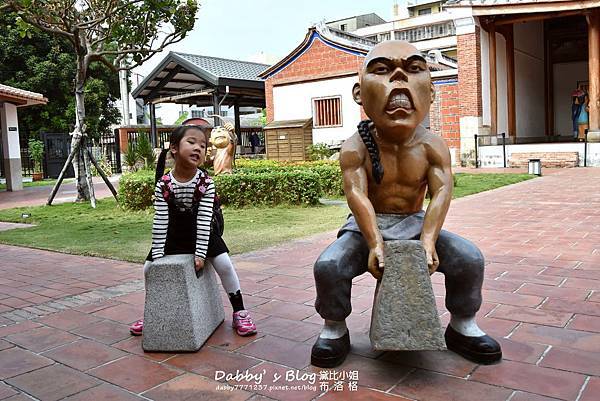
[242, 29]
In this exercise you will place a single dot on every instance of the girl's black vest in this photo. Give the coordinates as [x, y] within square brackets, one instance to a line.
[181, 231]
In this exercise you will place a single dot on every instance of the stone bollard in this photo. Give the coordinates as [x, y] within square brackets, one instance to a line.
[182, 310]
[405, 317]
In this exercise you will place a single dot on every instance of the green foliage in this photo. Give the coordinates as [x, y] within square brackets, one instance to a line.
[104, 165]
[43, 63]
[145, 150]
[280, 187]
[136, 190]
[131, 156]
[328, 172]
[330, 177]
[319, 151]
[181, 118]
[36, 152]
[467, 184]
[263, 117]
[293, 187]
[242, 163]
[113, 232]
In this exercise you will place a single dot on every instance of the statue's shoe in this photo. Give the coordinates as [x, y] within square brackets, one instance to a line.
[329, 353]
[484, 349]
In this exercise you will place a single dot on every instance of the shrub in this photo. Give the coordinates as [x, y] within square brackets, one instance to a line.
[246, 163]
[330, 177]
[293, 187]
[131, 156]
[104, 165]
[329, 173]
[36, 152]
[136, 189]
[318, 151]
[145, 151]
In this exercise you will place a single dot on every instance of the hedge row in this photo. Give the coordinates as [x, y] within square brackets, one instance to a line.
[294, 187]
[255, 182]
[329, 172]
[136, 190]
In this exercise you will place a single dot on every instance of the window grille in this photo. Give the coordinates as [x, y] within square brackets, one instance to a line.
[327, 112]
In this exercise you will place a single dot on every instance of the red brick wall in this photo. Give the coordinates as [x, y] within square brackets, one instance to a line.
[444, 113]
[548, 159]
[319, 61]
[469, 74]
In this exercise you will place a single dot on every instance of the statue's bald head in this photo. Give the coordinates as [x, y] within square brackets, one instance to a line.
[393, 50]
[394, 86]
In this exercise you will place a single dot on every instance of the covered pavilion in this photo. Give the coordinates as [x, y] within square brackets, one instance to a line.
[203, 81]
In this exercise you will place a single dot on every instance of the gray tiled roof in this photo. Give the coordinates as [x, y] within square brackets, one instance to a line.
[225, 68]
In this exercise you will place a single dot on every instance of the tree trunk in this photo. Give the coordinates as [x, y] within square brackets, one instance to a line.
[81, 163]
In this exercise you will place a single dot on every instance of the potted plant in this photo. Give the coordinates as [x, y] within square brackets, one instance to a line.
[36, 153]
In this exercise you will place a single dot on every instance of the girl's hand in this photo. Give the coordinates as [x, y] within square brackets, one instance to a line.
[198, 263]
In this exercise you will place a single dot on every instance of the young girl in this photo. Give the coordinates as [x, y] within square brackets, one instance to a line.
[188, 219]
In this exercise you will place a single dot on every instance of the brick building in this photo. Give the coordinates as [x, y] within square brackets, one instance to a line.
[315, 81]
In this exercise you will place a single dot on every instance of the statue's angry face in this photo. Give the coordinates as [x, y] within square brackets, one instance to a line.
[395, 87]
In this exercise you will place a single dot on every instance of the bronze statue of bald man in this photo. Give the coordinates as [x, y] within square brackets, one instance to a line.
[388, 166]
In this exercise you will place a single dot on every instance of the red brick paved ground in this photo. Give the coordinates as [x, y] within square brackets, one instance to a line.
[541, 239]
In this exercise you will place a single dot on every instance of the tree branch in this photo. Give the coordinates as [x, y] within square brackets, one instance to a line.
[108, 12]
[40, 25]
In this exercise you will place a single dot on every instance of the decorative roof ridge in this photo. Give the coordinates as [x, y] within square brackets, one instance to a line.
[325, 34]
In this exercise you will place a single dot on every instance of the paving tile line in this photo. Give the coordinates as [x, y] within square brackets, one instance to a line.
[72, 301]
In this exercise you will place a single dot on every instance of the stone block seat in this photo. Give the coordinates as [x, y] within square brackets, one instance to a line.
[182, 309]
[405, 317]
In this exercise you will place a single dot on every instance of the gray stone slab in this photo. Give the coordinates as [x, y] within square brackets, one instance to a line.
[181, 310]
[405, 317]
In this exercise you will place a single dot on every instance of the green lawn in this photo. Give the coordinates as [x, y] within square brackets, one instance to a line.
[42, 183]
[468, 184]
[111, 232]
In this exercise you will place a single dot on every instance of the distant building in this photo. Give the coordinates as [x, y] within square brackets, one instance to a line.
[353, 23]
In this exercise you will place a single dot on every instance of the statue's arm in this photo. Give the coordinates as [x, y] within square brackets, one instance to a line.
[440, 183]
[352, 162]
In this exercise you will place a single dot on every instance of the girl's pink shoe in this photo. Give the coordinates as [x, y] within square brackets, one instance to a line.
[136, 328]
[243, 324]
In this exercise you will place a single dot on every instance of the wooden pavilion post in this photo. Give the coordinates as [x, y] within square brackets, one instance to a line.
[238, 126]
[493, 80]
[216, 109]
[508, 34]
[593, 20]
[153, 130]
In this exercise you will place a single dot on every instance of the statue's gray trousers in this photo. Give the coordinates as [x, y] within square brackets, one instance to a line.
[461, 262]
